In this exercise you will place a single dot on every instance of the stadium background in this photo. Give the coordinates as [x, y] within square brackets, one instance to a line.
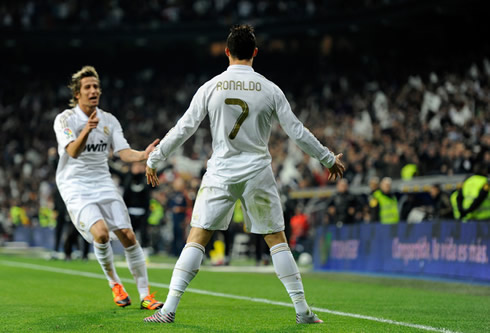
[337, 61]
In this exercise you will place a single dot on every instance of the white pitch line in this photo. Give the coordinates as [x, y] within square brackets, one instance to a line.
[216, 294]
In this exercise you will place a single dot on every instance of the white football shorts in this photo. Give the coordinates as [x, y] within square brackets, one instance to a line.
[261, 204]
[110, 208]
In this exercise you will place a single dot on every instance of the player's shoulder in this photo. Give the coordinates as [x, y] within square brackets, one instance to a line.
[212, 82]
[65, 115]
[207, 87]
[107, 115]
[268, 83]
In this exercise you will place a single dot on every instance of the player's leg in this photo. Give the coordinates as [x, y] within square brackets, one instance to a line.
[288, 273]
[105, 257]
[118, 221]
[185, 270]
[212, 211]
[263, 215]
[103, 251]
[137, 266]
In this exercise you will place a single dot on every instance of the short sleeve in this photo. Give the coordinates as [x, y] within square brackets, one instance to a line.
[119, 142]
[64, 131]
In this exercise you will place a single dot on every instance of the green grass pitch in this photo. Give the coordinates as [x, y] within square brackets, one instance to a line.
[37, 295]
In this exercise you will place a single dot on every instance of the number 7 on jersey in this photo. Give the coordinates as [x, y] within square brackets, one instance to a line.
[241, 118]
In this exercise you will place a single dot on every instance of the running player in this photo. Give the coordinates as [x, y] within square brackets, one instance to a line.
[86, 135]
[241, 105]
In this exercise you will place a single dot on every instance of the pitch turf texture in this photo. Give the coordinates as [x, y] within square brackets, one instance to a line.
[38, 295]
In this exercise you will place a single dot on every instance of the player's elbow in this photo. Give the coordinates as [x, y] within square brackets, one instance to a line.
[73, 155]
[72, 152]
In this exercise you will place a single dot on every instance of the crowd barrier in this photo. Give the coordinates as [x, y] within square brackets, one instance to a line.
[448, 249]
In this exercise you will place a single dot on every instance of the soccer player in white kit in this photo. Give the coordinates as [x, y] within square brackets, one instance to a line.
[240, 104]
[86, 135]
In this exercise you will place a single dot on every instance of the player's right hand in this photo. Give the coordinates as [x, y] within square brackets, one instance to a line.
[337, 170]
[92, 121]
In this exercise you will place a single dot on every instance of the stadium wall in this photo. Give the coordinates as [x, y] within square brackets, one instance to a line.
[446, 249]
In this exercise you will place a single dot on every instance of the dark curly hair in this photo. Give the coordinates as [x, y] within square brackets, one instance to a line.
[241, 41]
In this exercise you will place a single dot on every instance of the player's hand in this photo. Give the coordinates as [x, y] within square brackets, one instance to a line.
[150, 148]
[151, 177]
[337, 170]
[92, 121]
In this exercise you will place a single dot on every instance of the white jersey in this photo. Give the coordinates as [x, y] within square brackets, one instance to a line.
[241, 105]
[89, 172]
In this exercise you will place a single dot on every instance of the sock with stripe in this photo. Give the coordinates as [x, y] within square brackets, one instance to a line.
[288, 272]
[185, 270]
[105, 257]
[137, 266]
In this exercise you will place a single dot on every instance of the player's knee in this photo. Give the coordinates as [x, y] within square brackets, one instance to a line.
[126, 236]
[275, 238]
[100, 232]
[102, 238]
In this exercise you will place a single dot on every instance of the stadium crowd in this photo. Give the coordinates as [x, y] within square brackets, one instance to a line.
[107, 14]
[437, 124]
[387, 121]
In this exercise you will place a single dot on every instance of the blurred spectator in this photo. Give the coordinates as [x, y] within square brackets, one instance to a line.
[299, 230]
[384, 204]
[347, 210]
[441, 204]
[178, 205]
[262, 254]
[136, 195]
[156, 220]
[472, 201]
[74, 239]
[330, 214]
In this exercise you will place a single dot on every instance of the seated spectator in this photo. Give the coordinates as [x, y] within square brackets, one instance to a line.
[346, 204]
[441, 204]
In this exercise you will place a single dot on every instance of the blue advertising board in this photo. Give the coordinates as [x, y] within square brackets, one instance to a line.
[444, 249]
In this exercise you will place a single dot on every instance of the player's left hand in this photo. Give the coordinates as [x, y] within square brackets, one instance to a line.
[151, 177]
[337, 170]
[150, 148]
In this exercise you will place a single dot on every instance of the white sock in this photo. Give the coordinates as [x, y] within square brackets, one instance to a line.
[103, 253]
[137, 266]
[185, 269]
[288, 273]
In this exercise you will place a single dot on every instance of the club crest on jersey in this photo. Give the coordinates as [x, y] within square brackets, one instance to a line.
[68, 132]
[106, 130]
[96, 147]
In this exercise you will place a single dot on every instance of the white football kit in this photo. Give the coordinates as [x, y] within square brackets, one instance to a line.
[85, 182]
[241, 105]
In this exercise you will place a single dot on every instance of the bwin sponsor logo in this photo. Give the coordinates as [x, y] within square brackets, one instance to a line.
[102, 146]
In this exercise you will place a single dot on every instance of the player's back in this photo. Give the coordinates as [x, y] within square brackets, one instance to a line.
[240, 107]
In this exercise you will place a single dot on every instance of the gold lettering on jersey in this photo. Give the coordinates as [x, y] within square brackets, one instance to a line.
[238, 85]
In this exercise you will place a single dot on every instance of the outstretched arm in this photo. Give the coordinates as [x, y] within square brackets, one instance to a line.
[185, 127]
[295, 129]
[130, 155]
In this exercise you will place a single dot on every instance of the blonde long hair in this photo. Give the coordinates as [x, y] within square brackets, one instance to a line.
[76, 79]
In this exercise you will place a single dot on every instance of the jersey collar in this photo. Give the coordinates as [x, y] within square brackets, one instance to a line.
[240, 68]
[79, 110]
